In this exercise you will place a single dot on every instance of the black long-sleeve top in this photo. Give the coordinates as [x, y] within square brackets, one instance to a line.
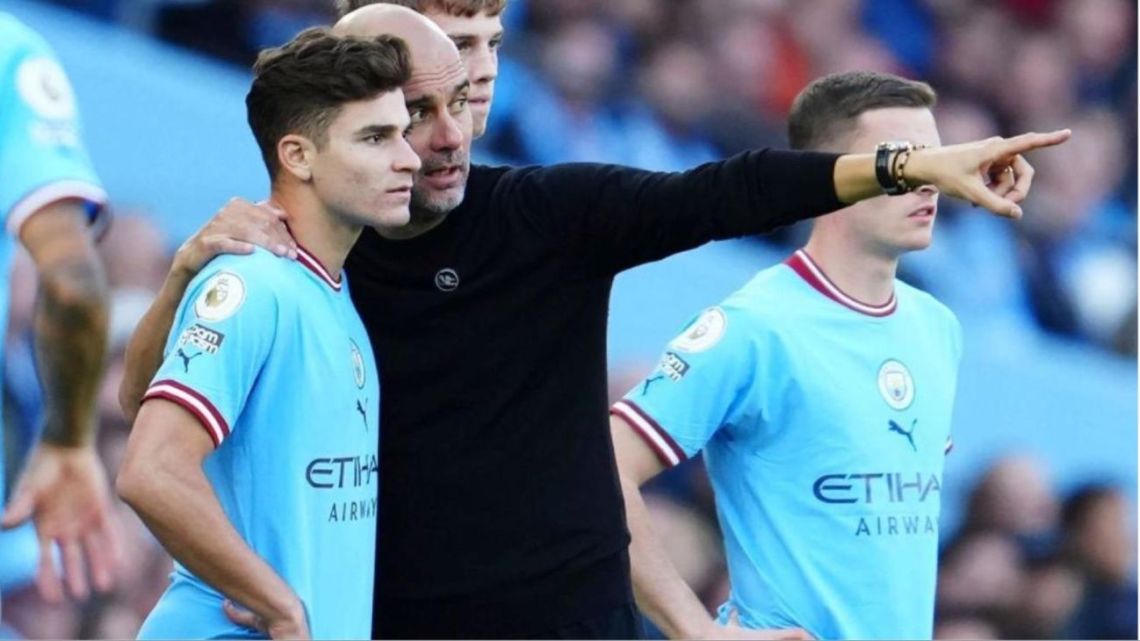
[500, 507]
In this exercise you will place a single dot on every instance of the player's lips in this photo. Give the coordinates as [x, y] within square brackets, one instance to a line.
[444, 177]
[922, 212]
[402, 192]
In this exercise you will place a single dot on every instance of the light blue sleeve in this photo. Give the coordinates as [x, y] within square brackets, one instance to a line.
[42, 159]
[703, 382]
[220, 340]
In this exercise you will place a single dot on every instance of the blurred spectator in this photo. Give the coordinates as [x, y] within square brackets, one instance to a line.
[1099, 543]
[1014, 499]
[1078, 254]
[980, 574]
[974, 628]
[1053, 591]
[135, 253]
[235, 30]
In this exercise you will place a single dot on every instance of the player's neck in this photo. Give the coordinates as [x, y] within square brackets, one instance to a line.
[861, 274]
[317, 230]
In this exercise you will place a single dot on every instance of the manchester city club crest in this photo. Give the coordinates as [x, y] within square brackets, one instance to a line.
[896, 384]
[223, 295]
[357, 365]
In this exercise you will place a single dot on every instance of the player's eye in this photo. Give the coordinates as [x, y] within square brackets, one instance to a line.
[496, 43]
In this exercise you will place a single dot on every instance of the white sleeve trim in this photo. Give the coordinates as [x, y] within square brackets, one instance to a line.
[54, 192]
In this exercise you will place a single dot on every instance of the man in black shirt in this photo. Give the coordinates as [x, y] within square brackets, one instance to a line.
[500, 510]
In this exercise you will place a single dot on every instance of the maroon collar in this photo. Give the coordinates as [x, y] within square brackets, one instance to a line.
[802, 264]
[315, 266]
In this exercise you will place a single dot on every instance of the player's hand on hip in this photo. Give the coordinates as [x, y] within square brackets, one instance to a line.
[236, 229]
[733, 630]
[747, 634]
[289, 626]
[991, 173]
[64, 491]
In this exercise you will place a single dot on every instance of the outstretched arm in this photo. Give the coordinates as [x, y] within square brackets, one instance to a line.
[611, 218]
[236, 229]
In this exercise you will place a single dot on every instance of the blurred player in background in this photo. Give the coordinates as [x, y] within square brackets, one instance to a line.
[502, 516]
[50, 199]
[254, 459]
[821, 395]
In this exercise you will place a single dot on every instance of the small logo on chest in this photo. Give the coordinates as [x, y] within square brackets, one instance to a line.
[446, 280]
[363, 412]
[909, 434]
[896, 384]
[357, 365]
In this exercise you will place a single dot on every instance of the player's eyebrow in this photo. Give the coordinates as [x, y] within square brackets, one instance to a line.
[384, 131]
[465, 37]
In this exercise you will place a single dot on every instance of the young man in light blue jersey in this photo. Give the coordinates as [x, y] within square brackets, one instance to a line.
[51, 203]
[254, 457]
[820, 394]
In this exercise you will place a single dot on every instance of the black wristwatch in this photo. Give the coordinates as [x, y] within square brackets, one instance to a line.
[886, 155]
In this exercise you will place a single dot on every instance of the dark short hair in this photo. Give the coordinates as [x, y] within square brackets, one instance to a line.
[299, 87]
[462, 8]
[824, 112]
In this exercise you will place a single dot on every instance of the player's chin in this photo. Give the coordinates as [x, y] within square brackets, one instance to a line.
[916, 240]
[479, 116]
[391, 216]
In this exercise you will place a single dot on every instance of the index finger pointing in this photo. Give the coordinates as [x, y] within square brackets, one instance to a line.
[1031, 141]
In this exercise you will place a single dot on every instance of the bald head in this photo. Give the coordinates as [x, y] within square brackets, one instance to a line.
[425, 39]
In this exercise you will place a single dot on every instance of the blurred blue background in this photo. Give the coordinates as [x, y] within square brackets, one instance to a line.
[1048, 385]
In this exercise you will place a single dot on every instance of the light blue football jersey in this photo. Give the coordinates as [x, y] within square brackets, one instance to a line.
[42, 159]
[824, 424]
[271, 357]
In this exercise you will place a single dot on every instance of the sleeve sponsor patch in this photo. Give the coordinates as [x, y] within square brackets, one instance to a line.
[44, 87]
[201, 338]
[222, 296]
[705, 332]
[674, 366]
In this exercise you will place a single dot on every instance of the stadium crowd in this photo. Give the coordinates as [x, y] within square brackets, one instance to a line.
[666, 84]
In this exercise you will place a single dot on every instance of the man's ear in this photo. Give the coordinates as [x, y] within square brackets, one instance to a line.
[295, 154]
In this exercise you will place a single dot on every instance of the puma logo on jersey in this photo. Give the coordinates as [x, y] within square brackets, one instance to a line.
[187, 358]
[363, 412]
[895, 427]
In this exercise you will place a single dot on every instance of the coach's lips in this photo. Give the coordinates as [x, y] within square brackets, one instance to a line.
[445, 177]
[479, 101]
[922, 212]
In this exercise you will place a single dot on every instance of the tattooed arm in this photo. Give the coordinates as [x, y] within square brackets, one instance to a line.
[64, 488]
